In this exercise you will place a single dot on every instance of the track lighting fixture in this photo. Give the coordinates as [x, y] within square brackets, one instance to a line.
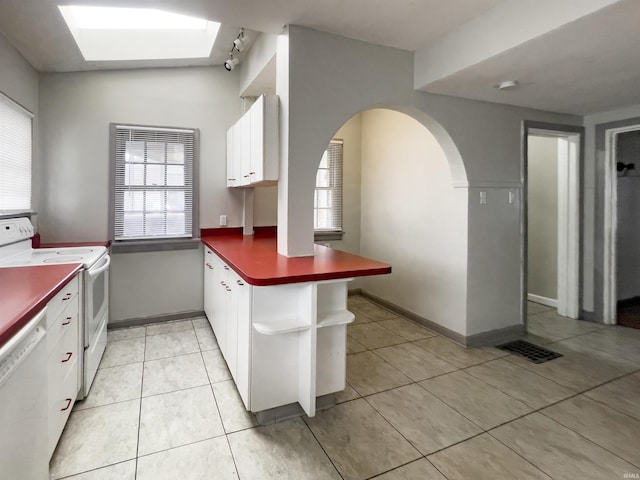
[240, 42]
[231, 63]
[238, 45]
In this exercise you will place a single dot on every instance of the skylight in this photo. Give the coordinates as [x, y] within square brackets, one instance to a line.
[110, 33]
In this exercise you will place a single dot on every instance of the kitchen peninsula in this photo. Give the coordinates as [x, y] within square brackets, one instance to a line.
[280, 322]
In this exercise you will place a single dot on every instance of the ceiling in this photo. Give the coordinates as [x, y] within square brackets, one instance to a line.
[37, 30]
[586, 62]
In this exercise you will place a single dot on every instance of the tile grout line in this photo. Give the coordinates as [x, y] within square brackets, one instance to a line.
[519, 455]
[302, 417]
[224, 430]
[140, 406]
[589, 440]
[94, 469]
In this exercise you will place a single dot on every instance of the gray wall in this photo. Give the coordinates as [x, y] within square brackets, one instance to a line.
[543, 216]
[331, 78]
[628, 234]
[76, 110]
[19, 82]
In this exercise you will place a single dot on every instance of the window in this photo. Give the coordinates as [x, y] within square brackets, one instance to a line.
[15, 156]
[328, 195]
[153, 194]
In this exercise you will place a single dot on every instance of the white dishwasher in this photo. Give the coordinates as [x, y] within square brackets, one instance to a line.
[23, 403]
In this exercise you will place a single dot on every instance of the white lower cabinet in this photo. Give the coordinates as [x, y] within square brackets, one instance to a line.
[283, 343]
[63, 364]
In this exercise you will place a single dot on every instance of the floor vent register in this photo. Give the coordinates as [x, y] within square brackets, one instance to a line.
[531, 352]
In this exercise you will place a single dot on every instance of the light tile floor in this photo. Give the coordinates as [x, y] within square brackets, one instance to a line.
[417, 407]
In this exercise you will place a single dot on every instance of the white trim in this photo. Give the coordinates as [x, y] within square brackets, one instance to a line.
[609, 300]
[568, 225]
[549, 302]
[488, 184]
[568, 291]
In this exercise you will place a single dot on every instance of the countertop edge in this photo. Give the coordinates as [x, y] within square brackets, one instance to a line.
[314, 277]
[28, 313]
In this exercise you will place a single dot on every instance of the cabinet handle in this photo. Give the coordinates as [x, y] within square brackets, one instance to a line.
[228, 289]
[231, 179]
[69, 354]
[210, 267]
[67, 297]
[225, 267]
[252, 173]
[239, 282]
[246, 176]
[209, 252]
[69, 400]
[68, 321]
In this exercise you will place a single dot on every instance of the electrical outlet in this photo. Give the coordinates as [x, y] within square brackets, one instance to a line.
[483, 198]
[223, 220]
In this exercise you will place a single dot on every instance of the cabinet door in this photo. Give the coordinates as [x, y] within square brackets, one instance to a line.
[232, 163]
[244, 340]
[231, 329]
[208, 283]
[218, 304]
[245, 148]
[256, 113]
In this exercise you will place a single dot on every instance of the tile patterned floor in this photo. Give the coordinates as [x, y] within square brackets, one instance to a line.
[417, 407]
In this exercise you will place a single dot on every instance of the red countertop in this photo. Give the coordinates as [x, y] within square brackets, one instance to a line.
[24, 291]
[255, 258]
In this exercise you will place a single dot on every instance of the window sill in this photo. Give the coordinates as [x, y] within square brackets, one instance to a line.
[320, 236]
[164, 245]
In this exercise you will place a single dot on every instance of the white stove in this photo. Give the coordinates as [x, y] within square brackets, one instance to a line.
[16, 251]
[28, 256]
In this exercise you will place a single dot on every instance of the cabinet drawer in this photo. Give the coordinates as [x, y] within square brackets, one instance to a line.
[66, 321]
[68, 393]
[61, 400]
[69, 353]
[58, 303]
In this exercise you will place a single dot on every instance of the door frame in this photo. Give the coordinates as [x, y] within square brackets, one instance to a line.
[571, 176]
[610, 220]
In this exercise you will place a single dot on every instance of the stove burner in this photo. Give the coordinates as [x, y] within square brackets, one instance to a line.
[67, 259]
[77, 251]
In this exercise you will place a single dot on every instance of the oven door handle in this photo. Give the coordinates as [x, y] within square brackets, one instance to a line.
[94, 272]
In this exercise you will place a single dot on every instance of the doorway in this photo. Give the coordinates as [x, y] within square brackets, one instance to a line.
[622, 227]
[551, 216]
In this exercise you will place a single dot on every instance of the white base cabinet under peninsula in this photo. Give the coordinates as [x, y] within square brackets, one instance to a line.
[282, 343]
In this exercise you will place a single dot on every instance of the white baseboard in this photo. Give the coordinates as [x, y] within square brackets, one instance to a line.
[549, 302]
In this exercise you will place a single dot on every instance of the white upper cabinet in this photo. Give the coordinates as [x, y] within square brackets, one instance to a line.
[252, 146]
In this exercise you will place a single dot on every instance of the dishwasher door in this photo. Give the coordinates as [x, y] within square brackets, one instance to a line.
[23, 400]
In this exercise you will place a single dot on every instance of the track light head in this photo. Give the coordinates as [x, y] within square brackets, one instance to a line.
[231, 63]
[240, 42]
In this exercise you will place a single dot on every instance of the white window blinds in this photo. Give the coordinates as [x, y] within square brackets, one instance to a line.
[15, 156]
[153, 195]
[328, 194]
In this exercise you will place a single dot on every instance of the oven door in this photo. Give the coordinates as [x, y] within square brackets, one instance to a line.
[96, 294]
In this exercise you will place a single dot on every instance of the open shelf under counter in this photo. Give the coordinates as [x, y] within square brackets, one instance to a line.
[281, 326]
[335, 317]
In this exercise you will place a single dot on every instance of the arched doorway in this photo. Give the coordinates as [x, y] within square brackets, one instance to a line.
[399, 204]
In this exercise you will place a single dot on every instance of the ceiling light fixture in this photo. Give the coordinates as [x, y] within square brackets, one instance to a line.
[239, 44]
[231, 63]
[507, 85]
